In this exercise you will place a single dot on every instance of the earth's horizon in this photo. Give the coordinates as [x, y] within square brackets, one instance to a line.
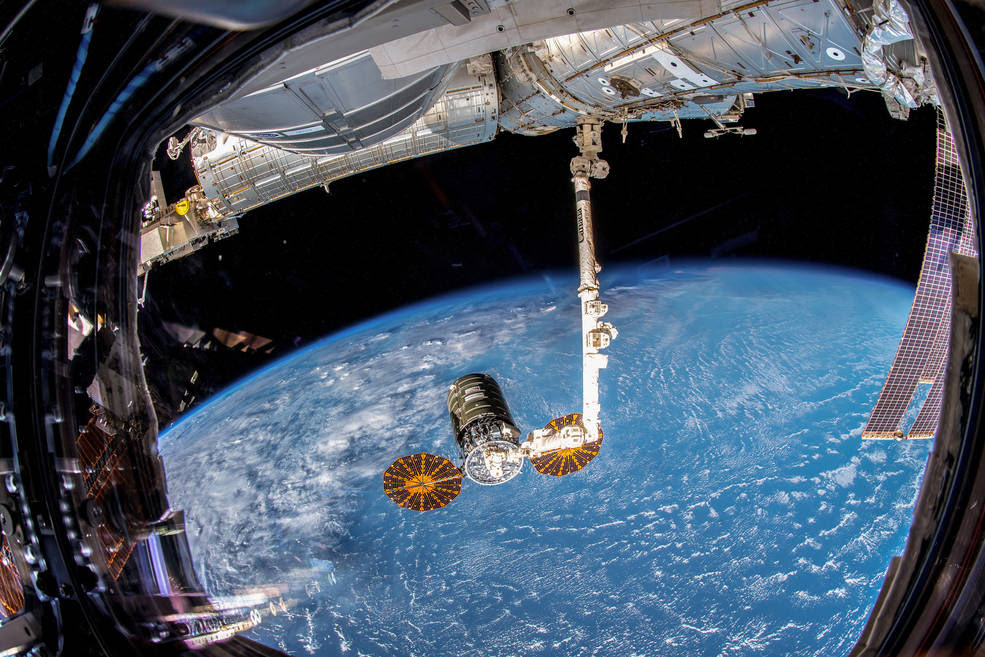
[733, 508]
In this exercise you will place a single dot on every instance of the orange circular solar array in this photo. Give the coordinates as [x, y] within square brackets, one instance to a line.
[565, 461]
[422, 481]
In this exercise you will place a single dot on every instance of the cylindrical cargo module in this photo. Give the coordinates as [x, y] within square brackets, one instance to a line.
[484, 429]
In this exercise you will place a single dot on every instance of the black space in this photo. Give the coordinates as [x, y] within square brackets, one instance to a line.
[828, 179]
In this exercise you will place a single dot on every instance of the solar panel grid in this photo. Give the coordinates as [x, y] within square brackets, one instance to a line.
[939, 349]
[923, 349]
[915, 347]
[422, 482]
[925, 426]
[950, 201]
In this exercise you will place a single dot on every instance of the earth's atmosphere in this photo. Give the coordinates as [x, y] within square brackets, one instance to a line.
[733, 509]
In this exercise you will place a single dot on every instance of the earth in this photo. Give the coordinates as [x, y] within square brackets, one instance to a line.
[732, 510]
